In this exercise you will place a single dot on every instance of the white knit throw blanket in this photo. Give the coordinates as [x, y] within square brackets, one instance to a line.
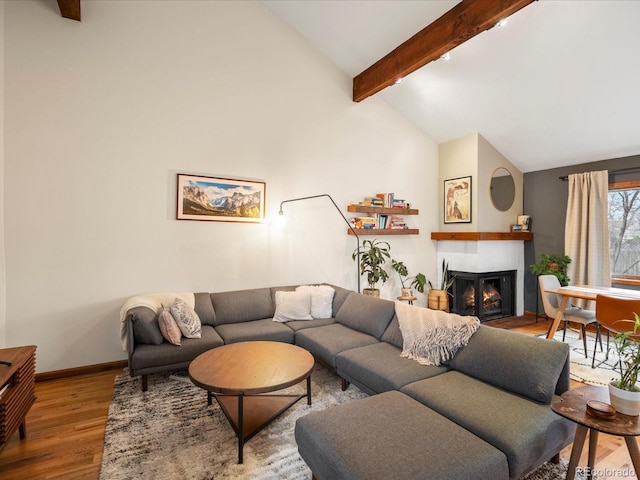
[154, 301]
[431, 337]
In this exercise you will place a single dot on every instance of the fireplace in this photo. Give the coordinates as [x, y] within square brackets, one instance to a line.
[487, 295]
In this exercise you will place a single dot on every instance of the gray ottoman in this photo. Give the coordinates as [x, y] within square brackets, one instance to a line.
[392, 436]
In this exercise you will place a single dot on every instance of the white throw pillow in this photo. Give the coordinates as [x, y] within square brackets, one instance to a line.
[187, 319]
[292, 306]
[321, 299]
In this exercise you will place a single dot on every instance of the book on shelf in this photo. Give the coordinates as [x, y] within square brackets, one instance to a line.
[386, 200]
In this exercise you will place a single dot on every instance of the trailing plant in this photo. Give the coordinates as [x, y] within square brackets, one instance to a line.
[446, 278]
[552, 264]
[373, 256]
[418, 282]
[628, 350]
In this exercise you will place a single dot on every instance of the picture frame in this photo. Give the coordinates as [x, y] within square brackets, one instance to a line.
[457, 200]
[215, 199]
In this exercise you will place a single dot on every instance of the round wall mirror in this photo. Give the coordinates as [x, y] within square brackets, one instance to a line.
[502, 189]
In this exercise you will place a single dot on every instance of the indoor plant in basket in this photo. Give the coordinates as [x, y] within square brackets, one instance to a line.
[552, 264]
[408, 283]
[373, 256]
[623, 392]
[438, 298]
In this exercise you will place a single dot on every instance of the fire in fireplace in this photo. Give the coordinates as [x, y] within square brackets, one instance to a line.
[497, 297]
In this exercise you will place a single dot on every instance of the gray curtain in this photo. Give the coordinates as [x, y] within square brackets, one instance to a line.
[586, 236]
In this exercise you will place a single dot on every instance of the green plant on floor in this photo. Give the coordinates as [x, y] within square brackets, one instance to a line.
[552, 264]
[628, 350]
[373, 256]
[418, 282]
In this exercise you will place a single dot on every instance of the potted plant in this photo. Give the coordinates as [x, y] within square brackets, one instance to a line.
[408, 283]
[623, 392]
[552, 264]
[373, 256]
[438, 298]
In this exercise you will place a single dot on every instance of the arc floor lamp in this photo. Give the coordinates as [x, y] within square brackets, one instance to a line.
[280, 212]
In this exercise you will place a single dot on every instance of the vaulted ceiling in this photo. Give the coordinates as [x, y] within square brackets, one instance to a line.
[557, 85]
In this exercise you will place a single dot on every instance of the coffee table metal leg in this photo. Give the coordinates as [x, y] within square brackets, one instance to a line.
[309, 390]
[240, 426]
[576, 450]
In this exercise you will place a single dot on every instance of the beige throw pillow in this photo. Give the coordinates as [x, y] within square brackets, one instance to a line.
[292, 306]
[321, 299]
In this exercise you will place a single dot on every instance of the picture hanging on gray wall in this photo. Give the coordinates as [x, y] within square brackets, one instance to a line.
[457, 200]
[220, 199]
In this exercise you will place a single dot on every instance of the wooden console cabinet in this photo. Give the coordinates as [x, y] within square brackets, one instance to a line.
[17, 389]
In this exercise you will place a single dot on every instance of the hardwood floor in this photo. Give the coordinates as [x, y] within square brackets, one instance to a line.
[65, 427]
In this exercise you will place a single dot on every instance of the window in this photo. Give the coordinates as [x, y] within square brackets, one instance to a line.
[624, 231]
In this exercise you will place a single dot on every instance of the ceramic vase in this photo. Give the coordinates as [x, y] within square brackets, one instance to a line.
[624, 401]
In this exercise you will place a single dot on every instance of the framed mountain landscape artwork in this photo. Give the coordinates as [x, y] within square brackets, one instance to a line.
[220, 199]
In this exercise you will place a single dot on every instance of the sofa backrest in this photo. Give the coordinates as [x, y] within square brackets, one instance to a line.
[366, 314]
[532, 367]
[242, 305]
[204, 308]
[392, 334]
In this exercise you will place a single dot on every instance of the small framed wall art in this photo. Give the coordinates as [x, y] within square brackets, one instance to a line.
[457, 200]
[220, 199]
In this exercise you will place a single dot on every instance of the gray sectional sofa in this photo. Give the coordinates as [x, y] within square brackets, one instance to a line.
[484, 415]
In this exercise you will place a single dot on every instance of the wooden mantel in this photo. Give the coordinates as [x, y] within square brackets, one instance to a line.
[481, 236]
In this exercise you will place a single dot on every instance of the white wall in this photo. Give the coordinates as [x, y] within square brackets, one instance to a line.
[102, 114]
[3, 302]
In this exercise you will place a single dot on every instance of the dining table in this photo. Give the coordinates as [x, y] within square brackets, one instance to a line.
[584, 292]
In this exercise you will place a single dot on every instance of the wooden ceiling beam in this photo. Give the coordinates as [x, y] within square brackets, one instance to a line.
[70, 9]
[464, 21]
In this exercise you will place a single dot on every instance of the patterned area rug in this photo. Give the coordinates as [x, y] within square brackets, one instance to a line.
[171, 433]
[581, 367]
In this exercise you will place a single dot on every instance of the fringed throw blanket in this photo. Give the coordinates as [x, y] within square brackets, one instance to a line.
[431, 337]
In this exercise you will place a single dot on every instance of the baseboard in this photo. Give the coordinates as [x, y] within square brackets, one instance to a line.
[72, 372]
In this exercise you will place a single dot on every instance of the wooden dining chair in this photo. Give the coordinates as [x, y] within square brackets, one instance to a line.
[572, 313]
[615, 315]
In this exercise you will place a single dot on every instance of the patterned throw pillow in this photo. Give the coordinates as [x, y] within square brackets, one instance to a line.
[321, 299]
[168, 326]
[187, 319]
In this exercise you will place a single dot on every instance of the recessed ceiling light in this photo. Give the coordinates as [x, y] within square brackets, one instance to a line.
[399, 80]
[501, 23]
[446, 56]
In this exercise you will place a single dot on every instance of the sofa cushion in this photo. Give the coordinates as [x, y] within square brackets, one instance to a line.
[168, 327]
[392, 334]
[534, 364]
[292, 306]
[339, 296]
[204, 308]
[156, 358]
[326, 342]
[366, 314]
[146, 329]
[529, 433]
[321, 299]
[187, 319]
[406, 441]
[316, 322]
[242, 305]
[265, 329]
[379, 367]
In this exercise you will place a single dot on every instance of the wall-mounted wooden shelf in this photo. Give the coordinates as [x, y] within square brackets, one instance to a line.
[478, 236]
[382, 210]
[385, 231]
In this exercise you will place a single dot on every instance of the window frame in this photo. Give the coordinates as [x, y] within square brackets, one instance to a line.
[625, 279]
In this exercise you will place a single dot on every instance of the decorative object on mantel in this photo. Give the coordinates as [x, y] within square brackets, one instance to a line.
[372, 255]
[351, 230]
[478, 236]
[438, 298]
[525, 221]
[457, 200]
[220, 199]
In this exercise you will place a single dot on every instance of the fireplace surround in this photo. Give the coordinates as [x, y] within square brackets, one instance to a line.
[487, 295]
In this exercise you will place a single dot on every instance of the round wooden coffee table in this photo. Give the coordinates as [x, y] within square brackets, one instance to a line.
[239, 374]
[573, 405]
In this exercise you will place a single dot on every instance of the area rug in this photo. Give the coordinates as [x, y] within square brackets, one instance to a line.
[580, 368]
[171, 433]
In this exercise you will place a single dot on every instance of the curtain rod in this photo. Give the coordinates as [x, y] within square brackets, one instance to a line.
[564, 178]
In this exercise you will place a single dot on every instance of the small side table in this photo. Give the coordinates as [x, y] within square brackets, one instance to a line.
[409, 300]
[573, 405]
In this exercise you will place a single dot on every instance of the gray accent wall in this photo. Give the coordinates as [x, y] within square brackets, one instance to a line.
[545, 199]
